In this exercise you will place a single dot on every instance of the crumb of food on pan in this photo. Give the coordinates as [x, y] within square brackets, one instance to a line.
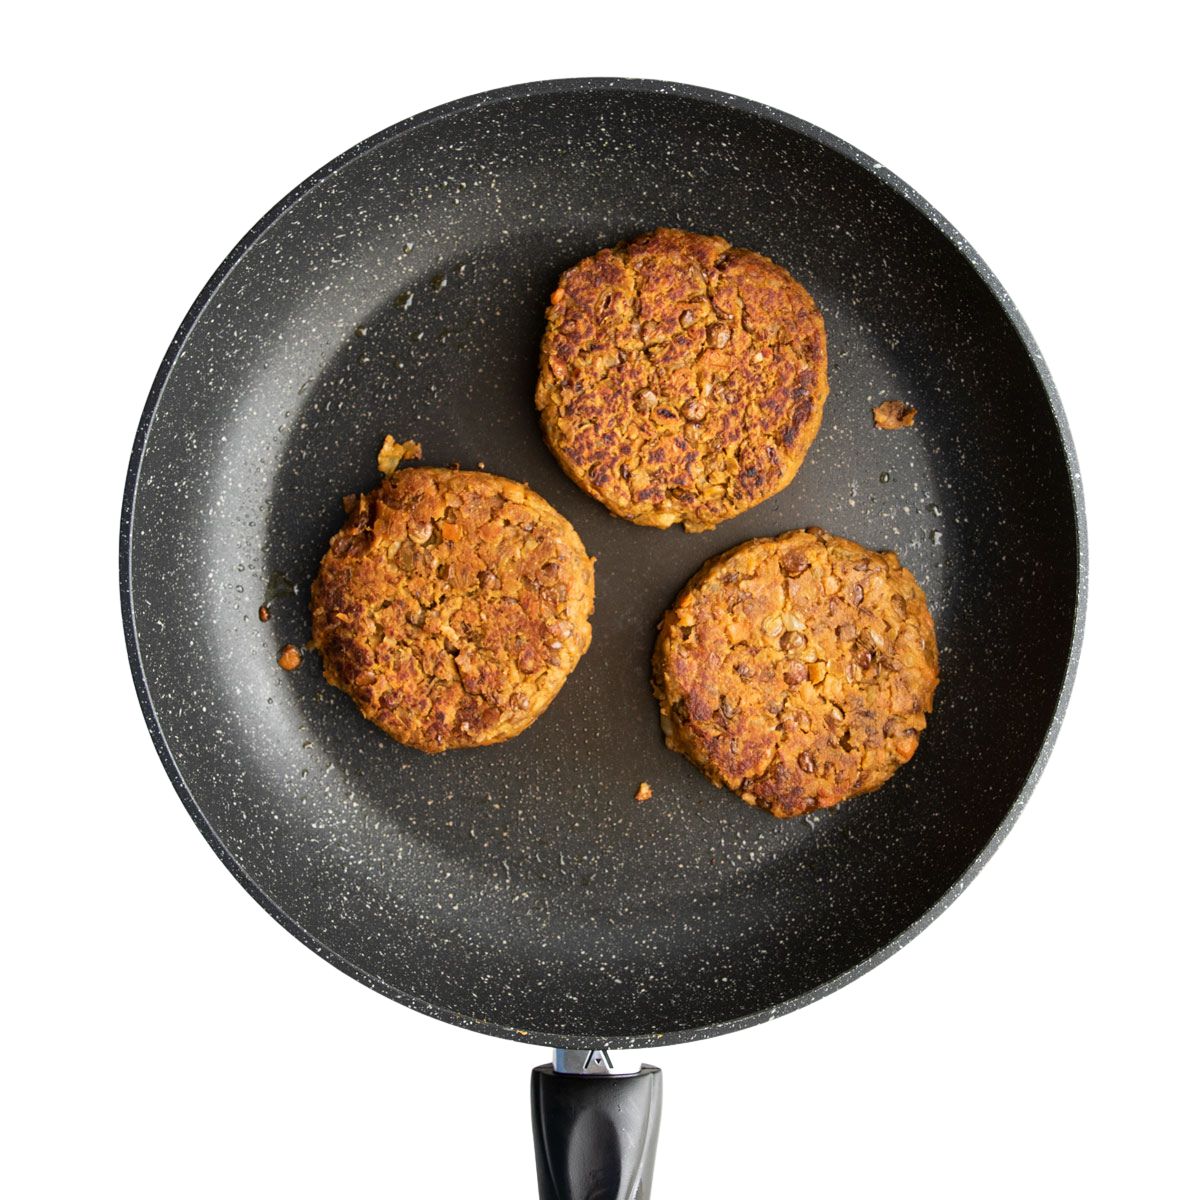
[481, 466]
[289, 657]
[644, 792]
[392, 453]
[264, 613]
[893, 414]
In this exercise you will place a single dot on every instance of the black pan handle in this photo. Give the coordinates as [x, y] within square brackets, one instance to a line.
[594, 1134]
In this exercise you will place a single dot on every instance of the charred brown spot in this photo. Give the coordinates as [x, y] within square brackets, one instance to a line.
[793, 563]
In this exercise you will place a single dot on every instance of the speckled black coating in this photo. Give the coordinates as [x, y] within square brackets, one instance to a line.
[520, 889]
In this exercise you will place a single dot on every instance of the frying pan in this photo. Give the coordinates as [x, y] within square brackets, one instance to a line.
[519, 890]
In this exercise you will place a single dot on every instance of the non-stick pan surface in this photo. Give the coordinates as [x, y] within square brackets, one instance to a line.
[520, 889]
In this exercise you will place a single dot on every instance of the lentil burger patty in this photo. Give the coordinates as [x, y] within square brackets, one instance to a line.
[797, 670]
[451, 606]
[682, 380]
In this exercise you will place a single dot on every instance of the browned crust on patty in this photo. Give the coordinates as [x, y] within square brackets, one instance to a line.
[451, 607]
[797, 670]
[682, 380]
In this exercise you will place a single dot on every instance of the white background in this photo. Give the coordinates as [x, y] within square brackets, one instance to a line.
[164, 1037]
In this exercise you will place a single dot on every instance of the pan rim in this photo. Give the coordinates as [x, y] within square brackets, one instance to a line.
[572, 86]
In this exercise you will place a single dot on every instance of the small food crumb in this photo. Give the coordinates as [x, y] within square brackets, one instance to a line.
[480, 466]
[264, 613]
[644, 792]
[392, 453]
[893, 414]
[289, 657]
